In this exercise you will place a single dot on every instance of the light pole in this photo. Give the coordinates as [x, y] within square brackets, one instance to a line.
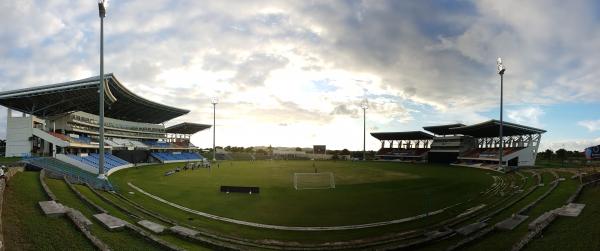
[102, 5]
[501, 70]
[364, 105]
[214, 102]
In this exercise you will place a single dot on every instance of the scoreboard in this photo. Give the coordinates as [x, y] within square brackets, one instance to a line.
[592, 152]
[319, 149]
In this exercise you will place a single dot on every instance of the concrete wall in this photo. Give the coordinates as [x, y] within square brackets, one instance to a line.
[76, 163]
[526, 156]
[18, 132]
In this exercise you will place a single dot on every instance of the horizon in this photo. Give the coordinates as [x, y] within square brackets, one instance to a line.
[294, 73]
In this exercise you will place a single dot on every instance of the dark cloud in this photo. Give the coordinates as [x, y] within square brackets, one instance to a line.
[343, 109]
[254, 70]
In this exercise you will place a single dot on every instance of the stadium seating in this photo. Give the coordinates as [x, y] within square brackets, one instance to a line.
[57, 166]
[129, 143]
[80, 139]
[111, 143]
[110, 161]
[175, 157]
[60, 136]
[416, 152]
[489, 153]
[161, 144]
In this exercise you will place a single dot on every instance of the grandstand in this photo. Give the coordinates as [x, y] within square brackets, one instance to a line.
[476, 145]
[403, 146]
[60, 121]
[520, 144]
[447, 145]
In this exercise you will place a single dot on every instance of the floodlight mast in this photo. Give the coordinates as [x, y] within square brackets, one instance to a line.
[102, 5]
[364, 105]
[214, 102]
[501, 70]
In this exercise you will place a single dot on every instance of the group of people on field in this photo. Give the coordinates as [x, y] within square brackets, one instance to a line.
[188, 166]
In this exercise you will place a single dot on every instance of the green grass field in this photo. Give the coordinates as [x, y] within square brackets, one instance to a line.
[365, 193]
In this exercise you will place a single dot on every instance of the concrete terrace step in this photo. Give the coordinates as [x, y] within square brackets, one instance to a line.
[110, 222]
[52, 208]
[154, 227]
[184, 231]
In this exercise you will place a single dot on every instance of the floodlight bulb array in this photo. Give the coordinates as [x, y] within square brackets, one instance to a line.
[499, 64]
[364, 104]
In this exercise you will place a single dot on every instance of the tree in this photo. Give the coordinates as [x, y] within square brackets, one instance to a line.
[548, 154]
[261, 151]
[561, 154]
[345, 152]
[335, 156]
[298, 149]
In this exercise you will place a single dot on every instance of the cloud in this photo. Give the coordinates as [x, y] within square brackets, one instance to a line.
[307, 63]
[571, 145]
[526, 116]
[591, 125]
[344, 110]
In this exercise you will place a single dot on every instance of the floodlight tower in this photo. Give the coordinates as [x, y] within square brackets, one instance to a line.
[364, 105]
[214, 102]
[102, 5]
[501, 70]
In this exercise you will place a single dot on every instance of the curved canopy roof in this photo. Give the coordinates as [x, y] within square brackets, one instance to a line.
[491, 128]
[413, 135]
[442, 129]
[82, 95]
[187, 128]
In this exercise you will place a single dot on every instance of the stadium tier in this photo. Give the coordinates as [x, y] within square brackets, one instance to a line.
[61, 121]
[475, 145]
[74, 173]
[168, 157]
[90, 162]
[520, 144]
[403, 146]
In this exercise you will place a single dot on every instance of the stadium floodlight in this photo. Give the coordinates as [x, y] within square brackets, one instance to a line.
[501, 71]
[364, 105]
[102, 5]
[214, 102]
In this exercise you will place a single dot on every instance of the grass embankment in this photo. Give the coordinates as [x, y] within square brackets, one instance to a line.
[9, 160]
[365, 192]
[504, 240]
[493, 201]
[557, 163]
[137, 216]
[25, 227]
[574, 233]
[122, 240]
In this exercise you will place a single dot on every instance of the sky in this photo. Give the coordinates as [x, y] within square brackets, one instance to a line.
[293, 73]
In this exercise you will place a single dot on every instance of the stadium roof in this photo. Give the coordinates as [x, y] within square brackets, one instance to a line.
[82, 95]
[187, 128]
[413, 135]
[491, 128]
[442, 129]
